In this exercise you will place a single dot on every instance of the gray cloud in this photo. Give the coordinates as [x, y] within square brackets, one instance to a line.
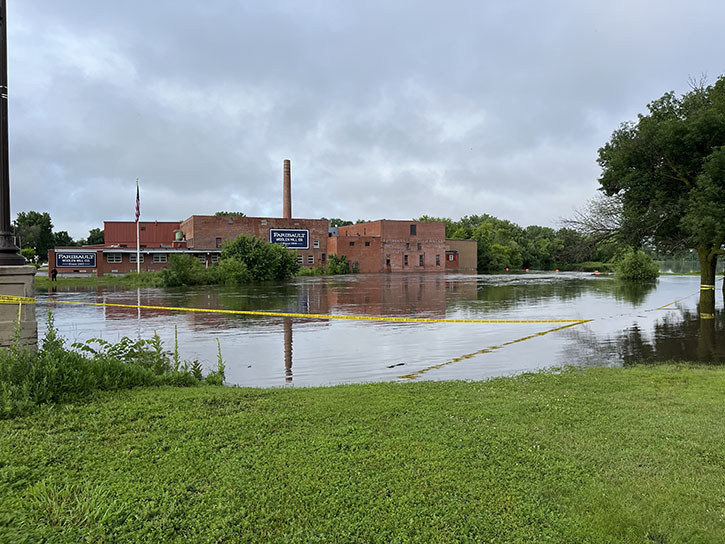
[390, 110]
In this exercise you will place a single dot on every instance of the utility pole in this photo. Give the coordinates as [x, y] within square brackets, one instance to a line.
[17, 281]
[9, 253]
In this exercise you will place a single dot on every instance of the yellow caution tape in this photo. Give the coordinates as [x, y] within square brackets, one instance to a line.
[10, 299]
[417, 373]
[707, 316]
[322, 316]
[702, 288]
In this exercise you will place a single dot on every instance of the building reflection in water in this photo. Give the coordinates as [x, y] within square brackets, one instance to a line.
[287, 324]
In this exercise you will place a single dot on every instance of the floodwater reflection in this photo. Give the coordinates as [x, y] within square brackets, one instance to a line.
[628, 324]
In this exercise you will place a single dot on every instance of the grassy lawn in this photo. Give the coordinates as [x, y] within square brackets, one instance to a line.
[602, 455]
[42, 281]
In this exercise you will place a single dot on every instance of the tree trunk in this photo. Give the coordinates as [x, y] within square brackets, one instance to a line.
[708, 263]
[706, 340]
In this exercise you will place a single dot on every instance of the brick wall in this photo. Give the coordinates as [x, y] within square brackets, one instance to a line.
[209, 231]
[391, 242]
[467, 254]
[151, 233]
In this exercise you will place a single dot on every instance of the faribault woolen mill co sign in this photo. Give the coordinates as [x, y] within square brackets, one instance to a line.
[290, 238]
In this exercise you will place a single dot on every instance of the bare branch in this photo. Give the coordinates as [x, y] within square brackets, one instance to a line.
[601, 217]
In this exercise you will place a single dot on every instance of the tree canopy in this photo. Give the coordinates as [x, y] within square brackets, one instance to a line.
[35, 230]
[668, 170]
[95, 236]
[230, 214]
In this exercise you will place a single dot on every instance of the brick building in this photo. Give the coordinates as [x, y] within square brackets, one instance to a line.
[377, 246]
[308, 237]
[199, 235]
[462, 256]
[392, 246]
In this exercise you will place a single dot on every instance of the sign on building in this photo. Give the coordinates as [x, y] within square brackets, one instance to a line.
[290, 238]
[75, 259]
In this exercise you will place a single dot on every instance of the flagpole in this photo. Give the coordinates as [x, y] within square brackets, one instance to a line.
[138, 244]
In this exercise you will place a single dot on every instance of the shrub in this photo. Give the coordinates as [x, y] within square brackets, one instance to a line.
[636, 265]
[263, 260]
[311, 271]
[185, 269]
[337, 264]
[232, 272]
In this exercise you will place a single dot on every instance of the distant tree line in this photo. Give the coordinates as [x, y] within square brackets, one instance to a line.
[34, 235]
[503, 244]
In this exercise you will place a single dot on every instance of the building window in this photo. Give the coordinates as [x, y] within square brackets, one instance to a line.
[418, 246]
[420, 260]
[412, 230]
[133, 258]
[407, 246]
[310, 259]
[264, 222]
[218, 242]
[142, 228]
[405, 260]
[387, 261]
[438, 260]
[323, 258]
[202, 258]
[352, 244]
[215, 258]
[316, 244]
[114, 257]
[367, 244]
[450, 257]
[160, 257]
[299, 259]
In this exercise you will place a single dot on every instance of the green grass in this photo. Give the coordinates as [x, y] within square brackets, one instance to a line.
[602, 455]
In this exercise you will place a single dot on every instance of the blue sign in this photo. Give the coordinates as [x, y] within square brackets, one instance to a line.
[75, 259]
[290, 238]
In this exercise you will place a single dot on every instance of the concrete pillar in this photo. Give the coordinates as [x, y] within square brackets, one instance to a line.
[287, 191]
[18, 281]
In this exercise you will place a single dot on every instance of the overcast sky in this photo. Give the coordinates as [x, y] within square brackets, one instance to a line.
[389, 109]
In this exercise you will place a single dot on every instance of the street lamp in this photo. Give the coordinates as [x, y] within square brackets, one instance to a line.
[9, 252]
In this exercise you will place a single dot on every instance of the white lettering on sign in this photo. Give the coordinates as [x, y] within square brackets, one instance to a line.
[75, 259]
[290, 238]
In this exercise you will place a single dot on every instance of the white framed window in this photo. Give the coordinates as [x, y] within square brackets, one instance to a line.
[316, 244]
[215, 258]
[114, 257]
[160, 257]
[299, 259]
[202, 258]
[310, 259]
[133, 258]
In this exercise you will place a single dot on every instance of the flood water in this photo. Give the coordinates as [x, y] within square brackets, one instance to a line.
[627, 324]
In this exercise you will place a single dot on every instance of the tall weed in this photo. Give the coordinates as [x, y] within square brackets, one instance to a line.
[56, 374]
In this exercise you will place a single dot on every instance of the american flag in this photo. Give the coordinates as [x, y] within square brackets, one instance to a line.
[138, 202]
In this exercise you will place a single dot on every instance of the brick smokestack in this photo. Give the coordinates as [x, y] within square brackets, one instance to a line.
[287, 191]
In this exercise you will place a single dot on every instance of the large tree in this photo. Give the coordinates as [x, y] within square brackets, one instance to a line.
[668, 168]
[95, 236]
[34, 229]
